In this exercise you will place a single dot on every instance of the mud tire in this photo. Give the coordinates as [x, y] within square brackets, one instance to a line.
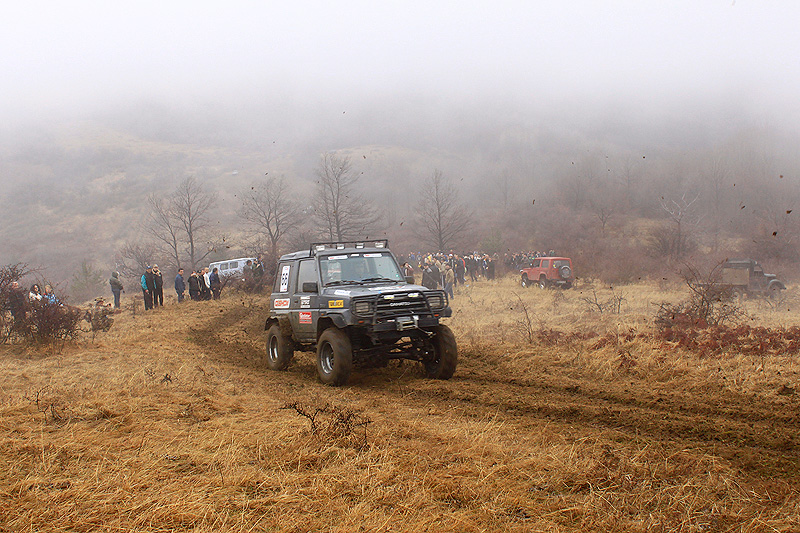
[525, 281]
[445, 354]
[334, 357]
[542, 283]
[280, 349]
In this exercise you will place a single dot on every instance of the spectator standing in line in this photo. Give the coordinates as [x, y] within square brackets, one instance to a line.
[449, 279]
[194, 286]
[180, 285]
[116, 288]
[35, 295]
[407, 270]
[214, 283]
[429, 277]
[489, 268]
[49, 296]
[148, 287]
[205, 284]
[158, 283]
[16, 301]
[472, 268]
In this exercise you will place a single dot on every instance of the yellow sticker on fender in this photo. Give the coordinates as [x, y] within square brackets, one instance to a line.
[335, 303]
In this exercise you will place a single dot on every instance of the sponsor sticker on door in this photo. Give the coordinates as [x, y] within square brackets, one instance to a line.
[281, 303]
[305, 317]
[305, 302]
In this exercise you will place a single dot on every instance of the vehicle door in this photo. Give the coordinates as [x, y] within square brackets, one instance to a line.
[304, 307]
[758, 282]
[280, 300]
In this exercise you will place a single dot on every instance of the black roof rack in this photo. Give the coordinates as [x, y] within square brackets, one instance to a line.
[341, 245]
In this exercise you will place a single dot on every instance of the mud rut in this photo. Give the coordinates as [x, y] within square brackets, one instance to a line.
[759, 436]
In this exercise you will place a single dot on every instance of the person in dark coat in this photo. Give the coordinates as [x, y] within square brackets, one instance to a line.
[194, 286]
[430, 276]
[460, 269]
[216, 283]
[148, 287]
[17, 303]
[489, 268]
[158, 283]
[116, 288]
[180, 285]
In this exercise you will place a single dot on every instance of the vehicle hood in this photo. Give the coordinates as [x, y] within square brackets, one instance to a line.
[352, 291]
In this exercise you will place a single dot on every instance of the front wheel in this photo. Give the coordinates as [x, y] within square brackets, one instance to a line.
[542, 283]
[279, 349]
[334, 357]
[525, 282]
[442, 364]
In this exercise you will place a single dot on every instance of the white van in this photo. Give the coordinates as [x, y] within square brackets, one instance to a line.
[231, 267]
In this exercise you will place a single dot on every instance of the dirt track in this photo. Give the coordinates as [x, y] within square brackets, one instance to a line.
[755, 433]
[172, 422]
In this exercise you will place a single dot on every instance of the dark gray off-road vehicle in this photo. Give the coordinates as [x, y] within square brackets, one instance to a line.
[351, 303]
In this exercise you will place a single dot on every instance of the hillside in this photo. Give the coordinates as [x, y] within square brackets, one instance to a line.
[170, 421]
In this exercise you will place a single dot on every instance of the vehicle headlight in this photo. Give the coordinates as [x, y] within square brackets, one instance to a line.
[435, 300]
[362, 307]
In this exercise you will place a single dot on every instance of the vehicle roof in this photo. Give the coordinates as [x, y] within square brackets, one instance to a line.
[234, 259]
[304, 254]
[741, 262]
[553, 257]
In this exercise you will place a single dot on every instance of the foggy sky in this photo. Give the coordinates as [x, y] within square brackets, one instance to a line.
[647, 58]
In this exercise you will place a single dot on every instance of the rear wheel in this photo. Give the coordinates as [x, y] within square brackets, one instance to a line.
[279, 349]
[442, 364]
[542, 283]
[334, 357]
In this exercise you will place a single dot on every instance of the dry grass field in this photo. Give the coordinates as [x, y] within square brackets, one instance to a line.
[567, 420]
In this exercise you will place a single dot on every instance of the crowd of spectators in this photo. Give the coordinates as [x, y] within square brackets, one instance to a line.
[448, 270]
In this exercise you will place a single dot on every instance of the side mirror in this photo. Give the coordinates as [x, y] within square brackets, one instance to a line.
[310, 286]
[410, 280]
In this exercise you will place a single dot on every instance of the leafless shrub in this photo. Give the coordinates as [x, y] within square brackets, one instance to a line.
[710, 302]
[339, 425]
[49, 406]
[524, 325]
[612, 305]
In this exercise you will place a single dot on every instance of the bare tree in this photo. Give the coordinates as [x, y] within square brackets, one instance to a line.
[164, 226]
[442, 219]
[678, 211]
[269, 209]
[343, 212]
[191, 205]
[133, 258]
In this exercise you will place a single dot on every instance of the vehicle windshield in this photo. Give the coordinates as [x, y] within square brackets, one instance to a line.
[359, 267]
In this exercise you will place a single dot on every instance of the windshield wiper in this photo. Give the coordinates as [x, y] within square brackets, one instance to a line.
[343, 282]
[367, 280]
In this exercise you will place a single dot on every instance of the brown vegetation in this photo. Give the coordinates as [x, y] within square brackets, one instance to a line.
[171, 422]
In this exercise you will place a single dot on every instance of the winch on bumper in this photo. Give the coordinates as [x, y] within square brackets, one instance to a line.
[400, 311]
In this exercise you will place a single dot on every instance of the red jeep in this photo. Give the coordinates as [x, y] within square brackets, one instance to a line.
[548, 271]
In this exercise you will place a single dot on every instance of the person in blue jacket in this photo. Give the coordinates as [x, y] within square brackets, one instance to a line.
[148, 287]
[180, 285]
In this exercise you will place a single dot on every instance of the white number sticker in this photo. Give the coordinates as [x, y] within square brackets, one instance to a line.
[285, 278]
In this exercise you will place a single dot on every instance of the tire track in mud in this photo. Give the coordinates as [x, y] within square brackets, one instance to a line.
[757, 435]
[762, 438]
